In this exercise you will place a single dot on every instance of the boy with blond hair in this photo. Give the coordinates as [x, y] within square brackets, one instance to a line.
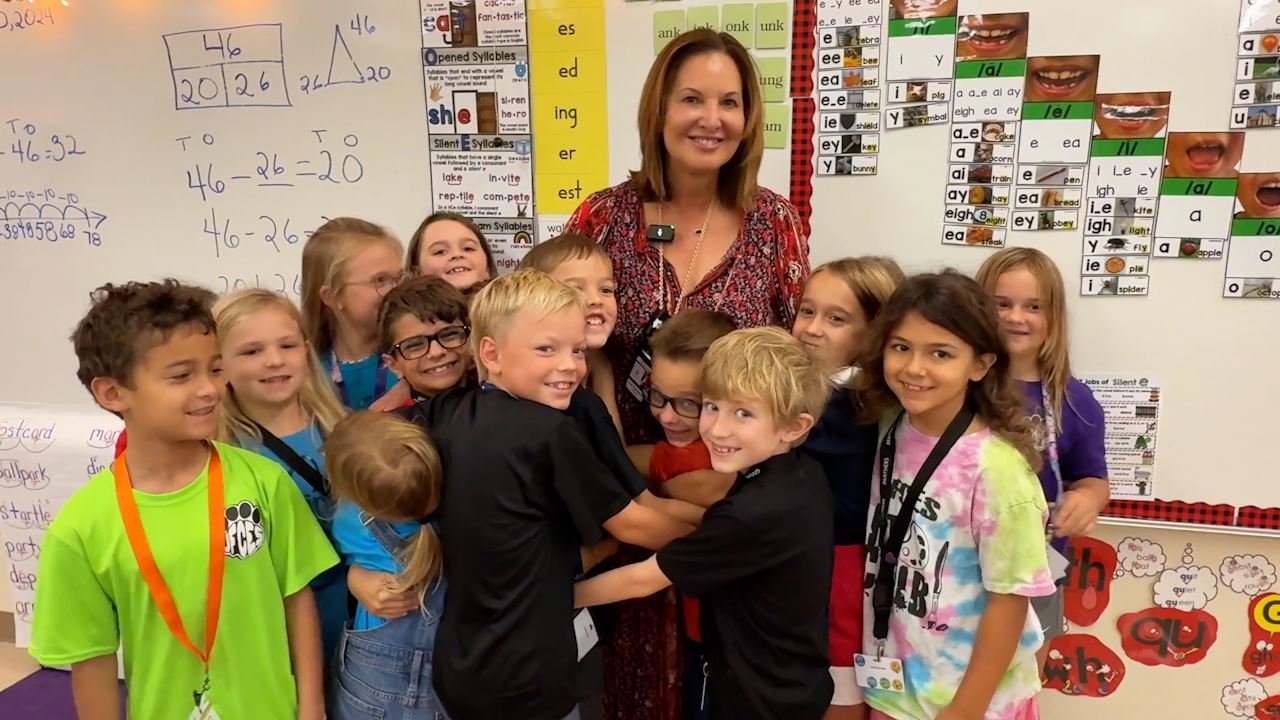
[523, 493]
[760, 563]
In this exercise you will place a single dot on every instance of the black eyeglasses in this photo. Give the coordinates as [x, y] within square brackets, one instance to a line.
[450, 338]
[684, 407]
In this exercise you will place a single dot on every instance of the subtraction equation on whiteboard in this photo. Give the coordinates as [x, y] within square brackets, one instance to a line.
[335, 162]
[48, 215]
[27, 144]
[230, 233]
[25, 19]
[240, 66]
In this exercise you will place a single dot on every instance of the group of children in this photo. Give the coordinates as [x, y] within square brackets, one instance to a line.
[848, 508]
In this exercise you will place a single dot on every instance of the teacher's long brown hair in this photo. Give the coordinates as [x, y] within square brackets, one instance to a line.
[737, 183]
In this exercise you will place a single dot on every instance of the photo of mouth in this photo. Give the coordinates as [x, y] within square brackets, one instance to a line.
[1258, 195]
[1126, 116]
[1203, 155]
[1062, 78]
[999, 36]
[899, 9]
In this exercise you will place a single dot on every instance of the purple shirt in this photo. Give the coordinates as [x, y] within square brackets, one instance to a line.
[1081, 450]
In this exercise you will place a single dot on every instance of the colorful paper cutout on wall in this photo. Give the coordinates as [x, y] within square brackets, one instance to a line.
[1240, 697]
[1260, 657]
[1164, 636]
[1080, 664]
[1247, 574]
[1087, 591]
[1140, 557]
[1268, 709]
[1187, 587]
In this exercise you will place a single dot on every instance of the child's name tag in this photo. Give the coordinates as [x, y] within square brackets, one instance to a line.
[1058, 564]
[203, 710]
[584, 629]
[879, 673]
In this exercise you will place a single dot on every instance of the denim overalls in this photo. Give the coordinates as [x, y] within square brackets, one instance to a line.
[385, 672]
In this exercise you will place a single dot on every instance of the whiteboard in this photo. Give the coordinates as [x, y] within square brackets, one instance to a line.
[1214, 358]
[188, 135]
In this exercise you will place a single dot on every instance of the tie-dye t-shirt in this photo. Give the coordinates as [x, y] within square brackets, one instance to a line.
[978, 529]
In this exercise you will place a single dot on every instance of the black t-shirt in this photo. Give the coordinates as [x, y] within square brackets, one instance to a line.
[761, 565]
[593, 418]
[523, 492]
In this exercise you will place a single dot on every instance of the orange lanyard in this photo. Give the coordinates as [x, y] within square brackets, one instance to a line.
[147, 562]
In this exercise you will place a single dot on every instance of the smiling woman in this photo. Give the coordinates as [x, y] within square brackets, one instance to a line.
[690, 228]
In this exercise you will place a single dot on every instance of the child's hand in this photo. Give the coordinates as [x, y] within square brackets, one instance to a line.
[1075, 513]
[372, 590]
[394, 398]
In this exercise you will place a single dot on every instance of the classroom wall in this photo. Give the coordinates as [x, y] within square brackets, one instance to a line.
[1196, 690]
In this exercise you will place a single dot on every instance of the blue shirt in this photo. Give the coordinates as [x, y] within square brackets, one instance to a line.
[358, 546]
[363, 381]
[330, 587]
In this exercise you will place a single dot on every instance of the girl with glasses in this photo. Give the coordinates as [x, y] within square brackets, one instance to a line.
[348, 266]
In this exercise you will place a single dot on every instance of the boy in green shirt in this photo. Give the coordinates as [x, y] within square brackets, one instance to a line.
[195, 556]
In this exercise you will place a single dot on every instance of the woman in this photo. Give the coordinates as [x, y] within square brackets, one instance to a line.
[736, 247]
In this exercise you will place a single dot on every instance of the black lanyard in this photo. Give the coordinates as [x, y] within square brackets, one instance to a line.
[288, 456]
[882, 593]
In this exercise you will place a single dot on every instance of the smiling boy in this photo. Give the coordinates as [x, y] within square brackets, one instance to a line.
[423, 330]
[193, 555]
[523, 492]
[761, 561]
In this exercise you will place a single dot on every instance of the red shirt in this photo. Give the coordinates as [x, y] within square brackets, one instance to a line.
[667, 462]
[759, 282]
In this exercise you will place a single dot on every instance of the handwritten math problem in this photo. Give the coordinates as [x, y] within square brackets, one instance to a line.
[344, 68]
[48, 215]
[29, 145]
[239, 66]
[229, 233]
[336, 163]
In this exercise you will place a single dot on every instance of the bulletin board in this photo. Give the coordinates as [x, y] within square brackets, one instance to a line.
[1175, 353]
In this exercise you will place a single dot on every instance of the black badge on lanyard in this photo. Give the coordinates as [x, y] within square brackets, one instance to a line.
[638, 376]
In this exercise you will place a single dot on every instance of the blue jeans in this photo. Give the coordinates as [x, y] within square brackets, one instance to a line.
[385, 673]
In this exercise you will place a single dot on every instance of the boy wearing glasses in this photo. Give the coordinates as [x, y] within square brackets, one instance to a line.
[680, 466]
[423, 330]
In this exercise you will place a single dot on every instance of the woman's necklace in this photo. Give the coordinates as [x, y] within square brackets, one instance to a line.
[699, 233]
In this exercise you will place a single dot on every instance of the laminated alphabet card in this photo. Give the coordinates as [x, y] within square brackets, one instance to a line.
[1253, 258]
[919, 61]
[1125, 166]
[1255, 101]
[990, 69]
[1053, 148]
[1198, 194]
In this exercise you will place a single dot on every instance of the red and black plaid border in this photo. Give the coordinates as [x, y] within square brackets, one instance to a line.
[802, 159]
[1259, 518]
[1173, 511]
[803, 39]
